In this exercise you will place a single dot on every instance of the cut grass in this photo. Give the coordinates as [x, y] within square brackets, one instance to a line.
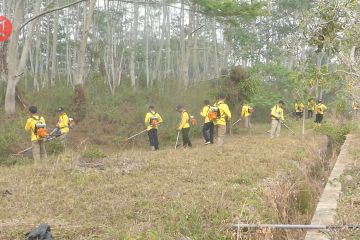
[169, 194]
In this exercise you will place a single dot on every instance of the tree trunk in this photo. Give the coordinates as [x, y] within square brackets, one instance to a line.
[146, 32]
[133, 45]
[54, 48]
[79, 96]
[12, 59]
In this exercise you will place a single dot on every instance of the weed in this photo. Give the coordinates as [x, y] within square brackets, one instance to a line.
[93, 153]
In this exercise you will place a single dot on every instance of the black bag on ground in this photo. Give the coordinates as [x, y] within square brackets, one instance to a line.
[42, 232]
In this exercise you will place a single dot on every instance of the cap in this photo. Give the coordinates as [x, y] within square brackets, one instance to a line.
[178, 107]
[33, 109]
[60, 109]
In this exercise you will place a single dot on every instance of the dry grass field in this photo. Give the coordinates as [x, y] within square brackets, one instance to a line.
[170, 194]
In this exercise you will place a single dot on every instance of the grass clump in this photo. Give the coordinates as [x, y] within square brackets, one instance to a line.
[93, 153]
[55, 147]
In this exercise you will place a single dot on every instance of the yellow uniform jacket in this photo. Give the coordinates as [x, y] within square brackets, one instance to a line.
[152, 116]
[225, 114]
[184, 122]
[30, 126]
[63, 123]
[277, 113]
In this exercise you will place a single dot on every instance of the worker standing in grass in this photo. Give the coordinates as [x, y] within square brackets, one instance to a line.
[320, 109]
[152, 121]
[63, 124]
[208, 128]
[299, 109]
[246, 112]
[184, 126]
[223, 116]
[36, 126]
[310, 108]
[277, 116]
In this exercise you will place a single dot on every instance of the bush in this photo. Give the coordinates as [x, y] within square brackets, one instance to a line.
[55, 147]
[93, 153]
[336, 132]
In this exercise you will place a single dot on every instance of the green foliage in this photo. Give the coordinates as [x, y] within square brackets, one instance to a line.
[10, 133]
[305, 199]
[93, 153]
[231, 8]
[336, 132]
[11, 160]
[55, 146]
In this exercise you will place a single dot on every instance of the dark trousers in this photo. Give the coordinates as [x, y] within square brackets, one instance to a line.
[153, 138]
[208, 132]
[319, 118]
[310, 113]
[299, 115]
[185, 136]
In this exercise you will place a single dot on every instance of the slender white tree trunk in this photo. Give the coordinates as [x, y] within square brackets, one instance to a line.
[146, 32]
[134, 31]
[12, 59]
[54, 48]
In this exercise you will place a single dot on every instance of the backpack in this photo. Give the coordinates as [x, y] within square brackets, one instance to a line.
[154, 120]
[192, 120]
[40, 128]
[214, 112]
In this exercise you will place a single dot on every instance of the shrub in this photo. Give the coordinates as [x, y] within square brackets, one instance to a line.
[336, 132]
[93, 153]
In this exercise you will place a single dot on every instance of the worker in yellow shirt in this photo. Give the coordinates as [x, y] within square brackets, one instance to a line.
[152, 121]
[36, 126]
[63, 124]
[299, 109]
[246, 112]
[277, 116]
[223, 116]
[208, 128]
[320, 109]
[184, 126]
[310, 107]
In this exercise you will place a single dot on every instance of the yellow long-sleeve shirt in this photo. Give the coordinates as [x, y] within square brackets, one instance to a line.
[63, 123]
[299, 107]
[245, 111]
[30, 126]
[277, 113]
[225, 114]
[320, 108]
[204, 113]
[311, 105]
[152, 116]
[184, 122]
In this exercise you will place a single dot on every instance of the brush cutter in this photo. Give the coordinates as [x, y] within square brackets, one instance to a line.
[177, 140]
[236, 122]
[135, 135]
[287, 127]
[50, 137]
